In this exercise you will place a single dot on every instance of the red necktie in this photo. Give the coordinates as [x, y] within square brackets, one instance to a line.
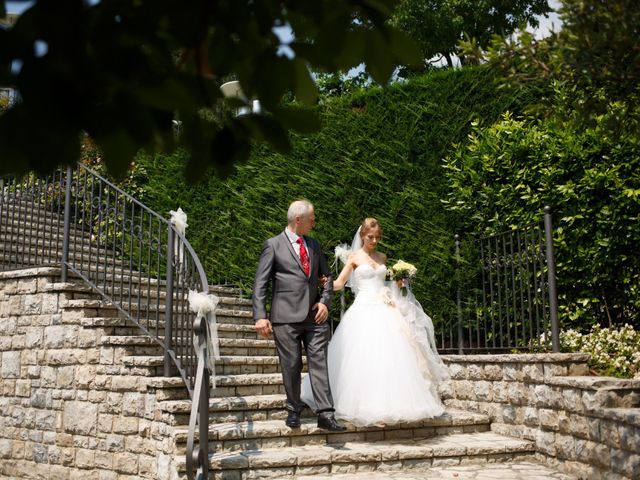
[304, 256]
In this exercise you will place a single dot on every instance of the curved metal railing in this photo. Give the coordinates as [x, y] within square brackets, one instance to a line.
[132, 256]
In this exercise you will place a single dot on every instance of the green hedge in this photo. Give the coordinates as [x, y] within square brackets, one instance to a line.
[378, 154]
[506, 173]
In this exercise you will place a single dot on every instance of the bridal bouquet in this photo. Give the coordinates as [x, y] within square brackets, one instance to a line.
[402, 270]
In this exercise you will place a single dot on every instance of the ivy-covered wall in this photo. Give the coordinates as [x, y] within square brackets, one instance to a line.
[378, 154]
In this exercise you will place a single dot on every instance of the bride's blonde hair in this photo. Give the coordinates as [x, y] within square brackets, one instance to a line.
[369, 224]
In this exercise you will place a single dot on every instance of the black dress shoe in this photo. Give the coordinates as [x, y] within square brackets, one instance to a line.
[293, 419]
[327, 421]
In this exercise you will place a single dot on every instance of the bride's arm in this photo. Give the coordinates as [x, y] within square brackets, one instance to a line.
[338, 283]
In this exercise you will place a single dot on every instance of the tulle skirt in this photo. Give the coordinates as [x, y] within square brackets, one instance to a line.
[375, 370]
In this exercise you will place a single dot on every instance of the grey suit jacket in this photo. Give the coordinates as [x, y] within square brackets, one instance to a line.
[294, 294]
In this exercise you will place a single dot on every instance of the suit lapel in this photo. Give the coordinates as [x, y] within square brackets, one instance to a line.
[295, 256]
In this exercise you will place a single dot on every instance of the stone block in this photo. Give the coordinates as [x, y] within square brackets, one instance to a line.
[125, 383]
[114, 443]
[125, 463]
[493, 372]
[10, 365]
[610, 433]
[6, 448]
[125, 425]
[23, 388]
[518, 394]
[32, 304]
[533, 373]
[475, 372]
[457, 371]
[46, 420]
[61, 336]
[27, 285]
[80, 418]
[625, 463]
[104, 460]
[33, 338]
[133, 403]
[512, 372]
[85, 458]
[147, 466]
[65, 357]
[531, 417]
[66, 376]
[29, 357]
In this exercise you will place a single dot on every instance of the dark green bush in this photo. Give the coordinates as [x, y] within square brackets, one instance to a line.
[378, 154]
[504, 176]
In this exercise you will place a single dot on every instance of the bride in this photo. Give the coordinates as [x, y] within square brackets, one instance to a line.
[383, 365]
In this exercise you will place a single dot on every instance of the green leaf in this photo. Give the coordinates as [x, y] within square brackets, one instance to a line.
[305, 90]
[378, 60]
[298, 119]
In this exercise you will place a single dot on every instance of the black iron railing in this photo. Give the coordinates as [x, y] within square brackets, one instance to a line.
[506, 293]
[133, 257]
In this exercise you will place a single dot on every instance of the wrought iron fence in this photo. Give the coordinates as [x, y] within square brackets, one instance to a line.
[133, 257]
[506, 293]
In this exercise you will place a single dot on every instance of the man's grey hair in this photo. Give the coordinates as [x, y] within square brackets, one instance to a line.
[299, 208]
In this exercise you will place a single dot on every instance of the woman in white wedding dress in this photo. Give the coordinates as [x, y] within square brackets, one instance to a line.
[383, 365]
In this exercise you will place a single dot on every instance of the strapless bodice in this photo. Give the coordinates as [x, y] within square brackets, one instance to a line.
[369, 279]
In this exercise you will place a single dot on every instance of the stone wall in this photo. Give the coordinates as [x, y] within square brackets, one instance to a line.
[69, 408]
[588, 426]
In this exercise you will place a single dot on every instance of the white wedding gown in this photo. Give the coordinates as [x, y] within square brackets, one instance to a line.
[382, 362]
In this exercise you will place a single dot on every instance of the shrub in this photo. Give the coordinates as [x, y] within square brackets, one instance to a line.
[613, 351]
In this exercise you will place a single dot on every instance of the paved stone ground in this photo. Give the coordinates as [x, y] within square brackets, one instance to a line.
[511, 471]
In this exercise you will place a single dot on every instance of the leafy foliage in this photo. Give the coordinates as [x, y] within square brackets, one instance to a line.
[438, 25]
[596, 52]
[378, 154]
[613, 351]
[507, 173]
[123, 70]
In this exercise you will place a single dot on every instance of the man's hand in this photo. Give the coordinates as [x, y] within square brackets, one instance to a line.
[322, 314]
[263, 327]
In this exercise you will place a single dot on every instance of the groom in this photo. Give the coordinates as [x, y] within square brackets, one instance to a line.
[292, 263]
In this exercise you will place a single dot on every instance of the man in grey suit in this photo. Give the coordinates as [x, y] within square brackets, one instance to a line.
[293, 265]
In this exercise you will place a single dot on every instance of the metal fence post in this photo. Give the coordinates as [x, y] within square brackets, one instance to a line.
[459, 295]
[551, 268]
[67, 222]
[168, 314]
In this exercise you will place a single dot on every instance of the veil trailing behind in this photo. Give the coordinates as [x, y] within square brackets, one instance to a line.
[383, 364]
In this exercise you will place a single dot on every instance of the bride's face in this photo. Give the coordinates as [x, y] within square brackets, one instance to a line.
[371, 239]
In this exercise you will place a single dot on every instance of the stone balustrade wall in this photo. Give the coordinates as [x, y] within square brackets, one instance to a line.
[589, 426]
[68, 407]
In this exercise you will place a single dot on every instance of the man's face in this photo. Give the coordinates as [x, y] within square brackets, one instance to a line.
[306, 223]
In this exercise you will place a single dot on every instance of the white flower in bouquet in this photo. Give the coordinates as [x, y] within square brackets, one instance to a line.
[402, 270]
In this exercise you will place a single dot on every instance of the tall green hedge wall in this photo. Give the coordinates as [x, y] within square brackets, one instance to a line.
[378, 154]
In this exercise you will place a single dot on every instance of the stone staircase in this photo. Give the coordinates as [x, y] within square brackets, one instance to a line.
[248, 437]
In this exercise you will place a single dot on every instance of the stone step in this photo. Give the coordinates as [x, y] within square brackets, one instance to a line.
[230, 364]
[238, 331]
[596, 393]
[518, 468]
[231, 385]
[247, 347]
[344, 455]
[255, 435]
[248, 408]
[39, 234]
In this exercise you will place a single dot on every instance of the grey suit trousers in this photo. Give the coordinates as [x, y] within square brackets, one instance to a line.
[289, 339]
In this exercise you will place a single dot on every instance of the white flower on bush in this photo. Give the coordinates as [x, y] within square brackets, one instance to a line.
[613, 351]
